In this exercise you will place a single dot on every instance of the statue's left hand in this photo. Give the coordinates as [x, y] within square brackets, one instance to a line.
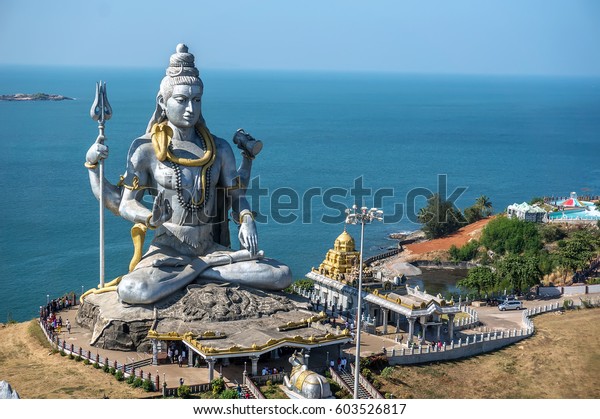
[247, 235]
[161, 210]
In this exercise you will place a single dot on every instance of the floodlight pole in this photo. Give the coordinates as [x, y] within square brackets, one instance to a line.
[362, 216]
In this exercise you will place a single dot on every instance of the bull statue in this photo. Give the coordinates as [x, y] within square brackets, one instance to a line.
[304, 382]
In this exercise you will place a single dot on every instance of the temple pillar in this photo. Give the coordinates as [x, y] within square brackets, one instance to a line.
[211, 369]
[451, 326]
[254, 360]
[154, 352]
[411, 328]
[385, 320]
[397, 323]
[190, 359]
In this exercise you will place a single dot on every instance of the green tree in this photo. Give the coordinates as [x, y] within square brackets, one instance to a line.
[519, 272]
[576, 252]
[480, 279]
[485, 205]
[510, 235]
[480, 210]
[440, 217]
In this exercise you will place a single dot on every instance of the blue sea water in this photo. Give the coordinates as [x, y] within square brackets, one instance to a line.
[510, 138]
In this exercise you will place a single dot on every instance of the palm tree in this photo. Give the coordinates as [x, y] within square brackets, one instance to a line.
[485, 205]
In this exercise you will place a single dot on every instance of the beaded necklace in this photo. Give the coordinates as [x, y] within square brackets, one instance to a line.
[191, 205]
[161, 141]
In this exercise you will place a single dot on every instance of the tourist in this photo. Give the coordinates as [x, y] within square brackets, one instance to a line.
[183, 354]
[179, 360]
[68, 326]
[170, 355]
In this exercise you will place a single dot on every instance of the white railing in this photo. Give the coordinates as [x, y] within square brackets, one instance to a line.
[477, 343]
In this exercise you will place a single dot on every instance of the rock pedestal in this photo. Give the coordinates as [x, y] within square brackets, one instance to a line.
[231, 310]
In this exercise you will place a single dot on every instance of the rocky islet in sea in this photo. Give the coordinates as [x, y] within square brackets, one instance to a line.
[35, 96]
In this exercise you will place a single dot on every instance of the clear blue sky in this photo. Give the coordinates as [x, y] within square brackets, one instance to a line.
[548, 37]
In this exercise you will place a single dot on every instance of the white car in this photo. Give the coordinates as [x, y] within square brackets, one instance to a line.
[511, 305]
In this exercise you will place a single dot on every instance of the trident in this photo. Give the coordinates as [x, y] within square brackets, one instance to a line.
[101, 112]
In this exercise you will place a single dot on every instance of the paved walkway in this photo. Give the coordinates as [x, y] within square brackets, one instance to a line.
[490, 317]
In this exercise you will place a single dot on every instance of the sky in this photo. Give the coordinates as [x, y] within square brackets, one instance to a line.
[516, 37]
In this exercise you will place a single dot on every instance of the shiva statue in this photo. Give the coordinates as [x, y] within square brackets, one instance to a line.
[191, 175]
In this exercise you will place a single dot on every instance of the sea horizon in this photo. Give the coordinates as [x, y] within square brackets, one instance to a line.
[507, 137]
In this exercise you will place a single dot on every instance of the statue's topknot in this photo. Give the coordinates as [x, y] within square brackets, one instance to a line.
[182, 63]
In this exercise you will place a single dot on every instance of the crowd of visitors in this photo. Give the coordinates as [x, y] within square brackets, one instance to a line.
[49, 314]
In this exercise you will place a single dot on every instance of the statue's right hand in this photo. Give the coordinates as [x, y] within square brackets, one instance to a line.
[98, 151]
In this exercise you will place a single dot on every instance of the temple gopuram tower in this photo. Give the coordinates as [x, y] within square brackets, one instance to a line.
[341, 260]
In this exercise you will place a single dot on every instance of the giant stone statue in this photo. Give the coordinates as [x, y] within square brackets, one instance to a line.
[196, 188]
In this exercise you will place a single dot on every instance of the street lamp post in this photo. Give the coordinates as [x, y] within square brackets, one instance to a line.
[360, 216]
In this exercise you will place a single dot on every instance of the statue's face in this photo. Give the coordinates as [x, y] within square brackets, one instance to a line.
[183, 107]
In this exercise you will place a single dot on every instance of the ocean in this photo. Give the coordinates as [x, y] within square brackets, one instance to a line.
[330, 140]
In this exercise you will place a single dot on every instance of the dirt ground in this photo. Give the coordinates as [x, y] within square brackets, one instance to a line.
[438, 248]
[561, 361]
[36, 372]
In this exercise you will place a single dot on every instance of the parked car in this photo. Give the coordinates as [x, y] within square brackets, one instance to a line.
[510, 305]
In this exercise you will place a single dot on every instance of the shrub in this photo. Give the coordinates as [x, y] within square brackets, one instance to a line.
[96, 365]
[387, 372]
[86, 362]
[148, 385]
[119, 375]
[465, 253]
[112, 371]
[374, 362]
[510, 235]
[230, 393]
[130, 379]
[137, 382]
[71, 356]
[106, 368]
[184, 392]
[62, 353]
[78, 358]
[567, 304]
[593, 281]
[217, 385]
[367, 373]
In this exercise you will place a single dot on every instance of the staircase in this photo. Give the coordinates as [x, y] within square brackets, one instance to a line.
[348, 379]
[246, 390]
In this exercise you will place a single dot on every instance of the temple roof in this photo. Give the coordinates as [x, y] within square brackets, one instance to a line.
[344, 242]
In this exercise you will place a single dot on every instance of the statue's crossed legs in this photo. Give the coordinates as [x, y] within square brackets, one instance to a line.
[162, 271]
